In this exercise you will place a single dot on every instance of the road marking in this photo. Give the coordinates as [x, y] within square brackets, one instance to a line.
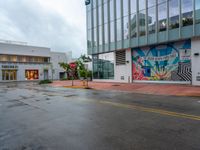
[152, 110]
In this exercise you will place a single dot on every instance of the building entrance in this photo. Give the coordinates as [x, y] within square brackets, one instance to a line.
[9, 75]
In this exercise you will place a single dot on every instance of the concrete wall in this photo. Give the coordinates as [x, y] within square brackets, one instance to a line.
[56, 58]
[196, 61]
[123, 72]
[13, 49]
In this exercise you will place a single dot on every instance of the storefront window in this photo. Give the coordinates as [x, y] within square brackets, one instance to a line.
[9, 75]
[105, 12]
[103, 66]
[187, 12]
[31, 74]
[173, 14]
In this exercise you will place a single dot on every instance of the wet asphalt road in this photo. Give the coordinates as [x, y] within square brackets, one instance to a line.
[34, 117]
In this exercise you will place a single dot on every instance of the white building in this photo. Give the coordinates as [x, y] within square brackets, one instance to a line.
[20, 62]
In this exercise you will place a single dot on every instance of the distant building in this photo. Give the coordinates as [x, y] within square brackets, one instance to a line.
[20, 62]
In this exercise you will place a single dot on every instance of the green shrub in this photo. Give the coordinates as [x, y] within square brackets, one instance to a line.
[45, 82]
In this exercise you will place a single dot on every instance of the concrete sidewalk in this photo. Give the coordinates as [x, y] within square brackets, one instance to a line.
[142, 88]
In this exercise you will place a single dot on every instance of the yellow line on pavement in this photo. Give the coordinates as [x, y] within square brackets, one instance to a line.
[152, 110]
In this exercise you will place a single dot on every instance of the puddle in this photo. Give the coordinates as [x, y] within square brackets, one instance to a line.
[17, 105]
[70, 95]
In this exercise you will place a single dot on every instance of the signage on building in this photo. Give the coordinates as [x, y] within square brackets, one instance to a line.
[9, 67]
[161, 58]
[185, 54]
[87, 2]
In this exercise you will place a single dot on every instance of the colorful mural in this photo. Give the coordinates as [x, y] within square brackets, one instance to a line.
[165, 62]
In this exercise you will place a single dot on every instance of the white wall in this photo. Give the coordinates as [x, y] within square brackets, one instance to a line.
[124, 70]
[195, 61]
[24, 50]
[56, 58]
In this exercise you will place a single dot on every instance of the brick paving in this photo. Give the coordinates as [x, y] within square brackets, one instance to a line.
[142, 88]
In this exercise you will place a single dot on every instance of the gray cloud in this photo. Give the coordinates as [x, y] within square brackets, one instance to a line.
[27, 20]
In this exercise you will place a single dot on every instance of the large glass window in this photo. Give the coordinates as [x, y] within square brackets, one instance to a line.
[112, 31]
[126, 28]
[94, 3]
[152, 19]
[112, 10]
[89, 39]
[89, 22]
[118, 8]
[187, 12]
[142, 4]
[106, 33]
[133, 6]
[100, 35]
[105, 12]
[95, 17]
[95, 37]
[142, 22]
[173, 14]
[100, 15]
[162, 15]
[125, 7]
[103, 66]
[119, 30]
[133, 26]
[197, 11]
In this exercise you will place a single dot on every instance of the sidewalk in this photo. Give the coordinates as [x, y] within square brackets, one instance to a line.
[142, 88]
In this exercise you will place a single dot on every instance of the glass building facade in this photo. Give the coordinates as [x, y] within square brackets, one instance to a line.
[121, 24]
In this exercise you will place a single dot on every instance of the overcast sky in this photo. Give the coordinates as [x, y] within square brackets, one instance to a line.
[58, 24]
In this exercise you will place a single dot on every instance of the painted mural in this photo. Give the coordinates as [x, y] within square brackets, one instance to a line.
[166, 62]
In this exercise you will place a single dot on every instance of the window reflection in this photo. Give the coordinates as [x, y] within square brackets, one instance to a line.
[173, 14]
[133, 26]
[187, 12]
[103, 66]
[162, 16]
[133, 6]
[142, 23]
[126, 28]
[152, 19]
[125, 8]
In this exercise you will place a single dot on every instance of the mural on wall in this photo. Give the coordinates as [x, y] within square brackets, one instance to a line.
[165, 62]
